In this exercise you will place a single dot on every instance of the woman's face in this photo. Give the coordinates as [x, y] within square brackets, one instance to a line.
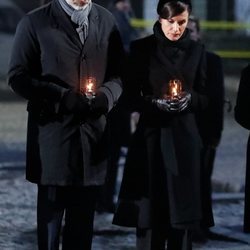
[174, 27]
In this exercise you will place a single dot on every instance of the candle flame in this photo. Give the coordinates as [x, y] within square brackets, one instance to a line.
[89, 87]
[174, 87]
[174, 90]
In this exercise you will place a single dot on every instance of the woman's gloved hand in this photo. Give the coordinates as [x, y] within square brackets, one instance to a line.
[174, 105]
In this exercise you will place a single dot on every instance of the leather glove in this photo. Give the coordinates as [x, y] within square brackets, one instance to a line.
[173, 105]
[99, 104]
[75, 103]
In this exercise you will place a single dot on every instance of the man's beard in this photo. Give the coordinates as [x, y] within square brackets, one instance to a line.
[76, 6]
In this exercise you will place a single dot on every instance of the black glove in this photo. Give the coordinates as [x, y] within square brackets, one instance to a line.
[173, 105]
[75, 103]
[99, 104]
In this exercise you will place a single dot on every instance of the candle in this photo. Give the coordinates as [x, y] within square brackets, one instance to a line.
[88, 88]
[174, 88]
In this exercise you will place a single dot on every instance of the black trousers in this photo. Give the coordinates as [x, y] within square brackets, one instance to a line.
[155, 239]
[77, 206]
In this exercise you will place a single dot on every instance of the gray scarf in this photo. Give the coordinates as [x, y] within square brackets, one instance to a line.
[79, 17]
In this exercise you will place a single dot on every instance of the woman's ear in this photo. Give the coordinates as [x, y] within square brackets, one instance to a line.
[160, 19]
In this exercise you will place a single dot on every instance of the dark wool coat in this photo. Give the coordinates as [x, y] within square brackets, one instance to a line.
[210, 122]
[161, 182]
[47, 59]
[242, 116]
[210, 126]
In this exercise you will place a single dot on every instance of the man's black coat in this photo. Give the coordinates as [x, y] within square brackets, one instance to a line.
[47, 59]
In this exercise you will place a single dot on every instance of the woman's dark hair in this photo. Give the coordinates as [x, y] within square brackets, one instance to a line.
[169, 8]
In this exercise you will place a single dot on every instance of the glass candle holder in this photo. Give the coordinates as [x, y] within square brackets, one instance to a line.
[174, 88]
[89, 88]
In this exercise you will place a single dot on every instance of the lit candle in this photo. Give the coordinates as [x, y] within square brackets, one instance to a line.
[90, 86]
[174, 88]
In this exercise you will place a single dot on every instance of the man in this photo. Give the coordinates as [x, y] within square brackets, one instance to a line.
[58, 50]
[210, 124]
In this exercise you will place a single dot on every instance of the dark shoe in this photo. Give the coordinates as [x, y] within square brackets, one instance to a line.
[200, 235]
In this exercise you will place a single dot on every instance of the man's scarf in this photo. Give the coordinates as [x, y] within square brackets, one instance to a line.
[79, 16]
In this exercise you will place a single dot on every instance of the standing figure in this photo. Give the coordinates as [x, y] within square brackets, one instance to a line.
[122, 11]
[210, 125]
[66, 62]
[242, 116]
[160, 191]
[120, 117]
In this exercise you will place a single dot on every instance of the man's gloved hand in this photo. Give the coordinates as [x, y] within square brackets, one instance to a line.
[173, 105]
[99, 104]
[75, 103]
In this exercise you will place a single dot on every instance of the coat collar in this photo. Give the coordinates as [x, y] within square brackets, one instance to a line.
[62, 21]
[162, 69]
[93, 29]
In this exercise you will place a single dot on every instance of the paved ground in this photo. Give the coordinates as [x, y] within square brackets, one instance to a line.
[18, 216]
[17, 197]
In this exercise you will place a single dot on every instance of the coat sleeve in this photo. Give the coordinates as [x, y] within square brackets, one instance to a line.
[241, 111]
[24, 75]
[112, 86]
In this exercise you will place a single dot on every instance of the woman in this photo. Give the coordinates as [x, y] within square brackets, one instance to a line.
[160, 188]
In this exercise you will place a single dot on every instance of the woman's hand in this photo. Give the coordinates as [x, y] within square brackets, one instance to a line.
[174, 104]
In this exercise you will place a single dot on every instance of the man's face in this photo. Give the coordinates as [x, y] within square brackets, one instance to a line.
[79, 2]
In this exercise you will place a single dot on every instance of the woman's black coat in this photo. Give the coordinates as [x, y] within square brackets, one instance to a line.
[171, 139]
[242, 116]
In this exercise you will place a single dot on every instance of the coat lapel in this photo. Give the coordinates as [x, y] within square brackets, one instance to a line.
[63, 22]
[91, 40]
